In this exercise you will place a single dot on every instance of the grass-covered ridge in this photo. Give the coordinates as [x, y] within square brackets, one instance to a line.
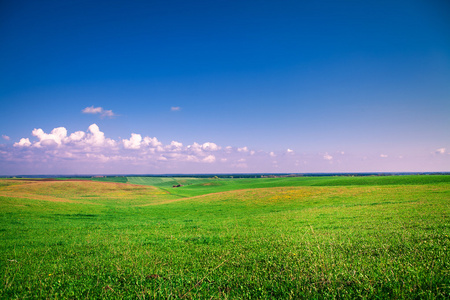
[226, 238]
[201, 186]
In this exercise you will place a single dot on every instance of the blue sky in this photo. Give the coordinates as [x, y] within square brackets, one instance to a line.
[224, 86]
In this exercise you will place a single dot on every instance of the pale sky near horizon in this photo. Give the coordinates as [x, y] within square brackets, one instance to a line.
[160, 87]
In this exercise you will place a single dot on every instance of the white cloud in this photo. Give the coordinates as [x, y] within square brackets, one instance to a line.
[5, 137]
[92, 110]
[56, 137]
[327, 157]
[91, 147]
[99, 110]
[108, 113]
[195, 147]
[209, 159]
[243, 149]
[192, 158]
[23, 143]
[97, 138]
[77, 136]
[440, 151]
[174, 146]
[134, 142]
[79, 139]
[175, 108]
[91, 151]
[383, 155]
[152, 142]
[210, 147]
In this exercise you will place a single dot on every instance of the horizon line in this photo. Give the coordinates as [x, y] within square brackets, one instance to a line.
[225, 174]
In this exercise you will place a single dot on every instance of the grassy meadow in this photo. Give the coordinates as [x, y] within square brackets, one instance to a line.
[260, 238]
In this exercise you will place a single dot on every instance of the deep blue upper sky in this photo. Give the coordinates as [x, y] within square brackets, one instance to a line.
[360, 77]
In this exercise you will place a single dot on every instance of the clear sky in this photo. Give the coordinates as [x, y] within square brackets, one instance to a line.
[215, 86]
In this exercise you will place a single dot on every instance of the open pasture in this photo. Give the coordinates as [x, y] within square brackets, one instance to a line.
[281, 238]
[201, 186]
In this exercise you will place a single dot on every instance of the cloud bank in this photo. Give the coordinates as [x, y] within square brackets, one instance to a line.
[93, 148]
[91, 152]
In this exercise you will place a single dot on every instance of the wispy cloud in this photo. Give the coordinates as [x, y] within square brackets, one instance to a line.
[175, 108]
[440, 151]
[99, 110]
[5, 137]
[327, 156]
[243, 149]
[92, 110]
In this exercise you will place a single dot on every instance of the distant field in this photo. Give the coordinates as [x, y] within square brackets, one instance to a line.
[201, 186]
[266, 238]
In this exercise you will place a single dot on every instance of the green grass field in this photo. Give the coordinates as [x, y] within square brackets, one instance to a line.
[277, 238]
